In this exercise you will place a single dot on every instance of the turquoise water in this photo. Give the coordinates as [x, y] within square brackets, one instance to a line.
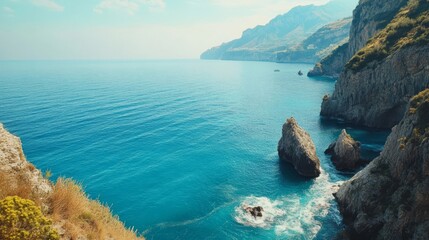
[176, 147]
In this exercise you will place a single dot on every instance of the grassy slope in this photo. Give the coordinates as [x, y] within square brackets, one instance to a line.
[409, 27]
[72, 212]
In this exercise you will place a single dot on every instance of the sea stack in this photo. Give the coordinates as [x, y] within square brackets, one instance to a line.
[296, 147]
[345, 152]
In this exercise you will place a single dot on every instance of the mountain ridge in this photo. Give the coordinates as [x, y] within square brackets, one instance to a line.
[263, 41]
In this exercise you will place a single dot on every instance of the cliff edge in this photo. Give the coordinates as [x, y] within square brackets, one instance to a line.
[64, 203]
[389, 199]
[379, 79]
[369, 17]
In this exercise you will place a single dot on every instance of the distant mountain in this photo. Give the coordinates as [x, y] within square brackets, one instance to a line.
[263, 42]
[320, 44]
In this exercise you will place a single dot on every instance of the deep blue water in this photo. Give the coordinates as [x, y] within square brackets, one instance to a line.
[176, 147]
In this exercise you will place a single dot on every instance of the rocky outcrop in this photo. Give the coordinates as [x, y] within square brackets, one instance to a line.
[17, 172]
[73, 214]
[389, 199]
[255, 211]
[369, 17]
[333, 64]
[345, 152]
[284, 31]
[297, 148]
[378, 81]
[377, 95]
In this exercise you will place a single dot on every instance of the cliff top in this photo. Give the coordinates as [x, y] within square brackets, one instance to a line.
[409, 27]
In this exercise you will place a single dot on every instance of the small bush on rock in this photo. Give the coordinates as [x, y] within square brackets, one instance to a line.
[22, 219]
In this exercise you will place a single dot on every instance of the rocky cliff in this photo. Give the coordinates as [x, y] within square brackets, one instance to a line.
[73, 215]
[389, 199]
[377, 82]
[318, 45]
[369, 17]
[296, 147]
[284, 31]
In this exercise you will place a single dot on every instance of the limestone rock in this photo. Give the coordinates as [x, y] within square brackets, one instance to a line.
[389, 199]
[15, 169]
[369, 17]
[345, 152]
[377, 95]
[297, 148]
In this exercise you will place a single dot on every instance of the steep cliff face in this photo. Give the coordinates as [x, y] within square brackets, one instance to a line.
[318, 45]
[17, 173]
[377, 96]
[377, 82]
[389, 199]
[263, 42]
[333, 64]
[369, 17]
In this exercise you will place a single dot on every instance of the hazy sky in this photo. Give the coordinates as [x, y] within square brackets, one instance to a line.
[128, 29]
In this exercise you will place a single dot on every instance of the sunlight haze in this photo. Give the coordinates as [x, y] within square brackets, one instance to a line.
[128, 29]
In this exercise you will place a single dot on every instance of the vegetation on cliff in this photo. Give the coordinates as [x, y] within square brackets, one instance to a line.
[420, 105]
[388, 199]
[23, 219]
[32, 201]
[409, 27]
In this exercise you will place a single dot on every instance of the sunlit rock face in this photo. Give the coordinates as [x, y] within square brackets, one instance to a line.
[297, 148]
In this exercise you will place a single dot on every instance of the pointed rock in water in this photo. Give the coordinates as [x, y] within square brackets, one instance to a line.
[297, 148]
[345, 152]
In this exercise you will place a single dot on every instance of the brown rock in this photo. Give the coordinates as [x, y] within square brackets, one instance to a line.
[297, 148]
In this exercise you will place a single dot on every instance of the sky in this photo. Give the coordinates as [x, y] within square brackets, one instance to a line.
[127, 29]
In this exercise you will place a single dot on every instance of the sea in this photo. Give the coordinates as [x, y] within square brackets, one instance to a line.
[177, 148]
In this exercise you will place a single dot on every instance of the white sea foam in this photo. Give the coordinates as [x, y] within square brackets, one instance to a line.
[271, 212]
[291, 216]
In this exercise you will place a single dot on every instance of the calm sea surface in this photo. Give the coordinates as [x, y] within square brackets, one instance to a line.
[176, 148]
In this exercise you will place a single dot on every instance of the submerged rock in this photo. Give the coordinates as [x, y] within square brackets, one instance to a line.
[255, 211]
[296, 147]
[389, 199]
[345, 152]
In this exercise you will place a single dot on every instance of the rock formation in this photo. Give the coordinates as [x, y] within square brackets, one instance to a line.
[297, 148]
[74, 216]
[255, 211]
[389, 199]
[369, 17]
[345, 152]
[378, 81]
[16, 171]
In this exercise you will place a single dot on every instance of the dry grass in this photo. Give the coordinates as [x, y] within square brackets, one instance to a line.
[16, 185]
[85, 217]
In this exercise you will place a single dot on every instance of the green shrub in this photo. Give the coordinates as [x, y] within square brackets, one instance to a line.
[409, 27]
[22, 219]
